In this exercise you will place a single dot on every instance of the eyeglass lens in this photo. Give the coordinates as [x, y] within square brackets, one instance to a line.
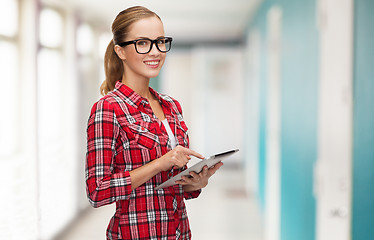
[145, 45]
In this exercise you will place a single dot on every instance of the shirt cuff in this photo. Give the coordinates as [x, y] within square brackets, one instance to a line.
[125, 182]
[192, 195]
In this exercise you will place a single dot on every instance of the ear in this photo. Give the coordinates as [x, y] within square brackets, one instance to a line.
[120, 52]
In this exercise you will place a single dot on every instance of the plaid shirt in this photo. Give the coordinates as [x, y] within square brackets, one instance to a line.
[123, 134]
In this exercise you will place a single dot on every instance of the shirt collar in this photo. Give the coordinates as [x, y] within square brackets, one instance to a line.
[159, 97]
[131, 97]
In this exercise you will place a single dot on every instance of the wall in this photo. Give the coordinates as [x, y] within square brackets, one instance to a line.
[299, 112]
[298, 117]
[363, 136]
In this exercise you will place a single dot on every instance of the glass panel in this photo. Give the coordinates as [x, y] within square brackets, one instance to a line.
[56, 173]
[50, 139]
[8, 97]
[85, 39]
[8, 17]
[49, 93]
[51, 28]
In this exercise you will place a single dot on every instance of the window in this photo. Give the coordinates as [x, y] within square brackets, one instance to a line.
[51, 28]
[85, 39]
[9, 66]
[8, 18]
[51, 128]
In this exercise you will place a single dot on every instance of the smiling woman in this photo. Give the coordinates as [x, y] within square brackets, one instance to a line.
[137, 138]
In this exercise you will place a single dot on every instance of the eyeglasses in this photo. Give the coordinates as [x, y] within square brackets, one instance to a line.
[144, 45]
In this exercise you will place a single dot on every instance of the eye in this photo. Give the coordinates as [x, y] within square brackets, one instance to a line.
[142, 43]
[161, 41]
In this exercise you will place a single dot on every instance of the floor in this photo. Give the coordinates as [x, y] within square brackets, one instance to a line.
[223, 211]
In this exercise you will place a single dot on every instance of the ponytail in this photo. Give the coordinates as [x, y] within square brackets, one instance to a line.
[113, 69]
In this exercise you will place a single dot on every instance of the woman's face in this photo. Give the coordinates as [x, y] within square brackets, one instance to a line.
[143, 65]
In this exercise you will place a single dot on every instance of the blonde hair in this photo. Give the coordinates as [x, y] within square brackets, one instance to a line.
[113, 65]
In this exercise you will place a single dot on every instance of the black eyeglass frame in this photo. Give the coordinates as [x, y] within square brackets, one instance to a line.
[167, 39]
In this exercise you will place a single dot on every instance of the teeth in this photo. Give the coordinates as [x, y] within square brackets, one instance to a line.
[152, 63]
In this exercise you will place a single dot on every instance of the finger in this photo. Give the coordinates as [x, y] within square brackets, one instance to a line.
[187, 180]
[204, 172]
[184, 156]
[181, 161]
[217, 165]
[181, 182]
[194, 175]
[193, 153]
[212, 170]
[180, 164]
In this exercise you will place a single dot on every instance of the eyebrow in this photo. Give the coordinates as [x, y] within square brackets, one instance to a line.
[149, 38]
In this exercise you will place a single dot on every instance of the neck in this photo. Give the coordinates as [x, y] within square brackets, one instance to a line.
[139, 85]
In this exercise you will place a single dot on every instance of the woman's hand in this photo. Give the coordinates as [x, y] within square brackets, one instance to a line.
[198, 181]
[178, 158]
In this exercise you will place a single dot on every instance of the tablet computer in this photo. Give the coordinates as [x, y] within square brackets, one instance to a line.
[198, 167]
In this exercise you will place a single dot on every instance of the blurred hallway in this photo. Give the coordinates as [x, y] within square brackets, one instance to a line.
[289, 83]
[223, 211]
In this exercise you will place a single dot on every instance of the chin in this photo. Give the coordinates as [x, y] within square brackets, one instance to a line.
[153, 75]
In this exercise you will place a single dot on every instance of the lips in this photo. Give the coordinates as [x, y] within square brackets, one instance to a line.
[152, 63]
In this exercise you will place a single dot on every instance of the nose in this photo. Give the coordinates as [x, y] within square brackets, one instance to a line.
[154, 51]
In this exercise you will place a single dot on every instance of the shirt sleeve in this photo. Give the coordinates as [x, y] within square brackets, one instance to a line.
[192, 195]
[103, 186]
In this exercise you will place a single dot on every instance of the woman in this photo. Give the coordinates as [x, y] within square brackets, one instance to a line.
[137, 139]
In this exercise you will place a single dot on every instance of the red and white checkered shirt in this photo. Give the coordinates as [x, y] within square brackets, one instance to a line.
[123, 134]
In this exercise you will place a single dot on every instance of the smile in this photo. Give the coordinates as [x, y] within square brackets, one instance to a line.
[152, 63]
